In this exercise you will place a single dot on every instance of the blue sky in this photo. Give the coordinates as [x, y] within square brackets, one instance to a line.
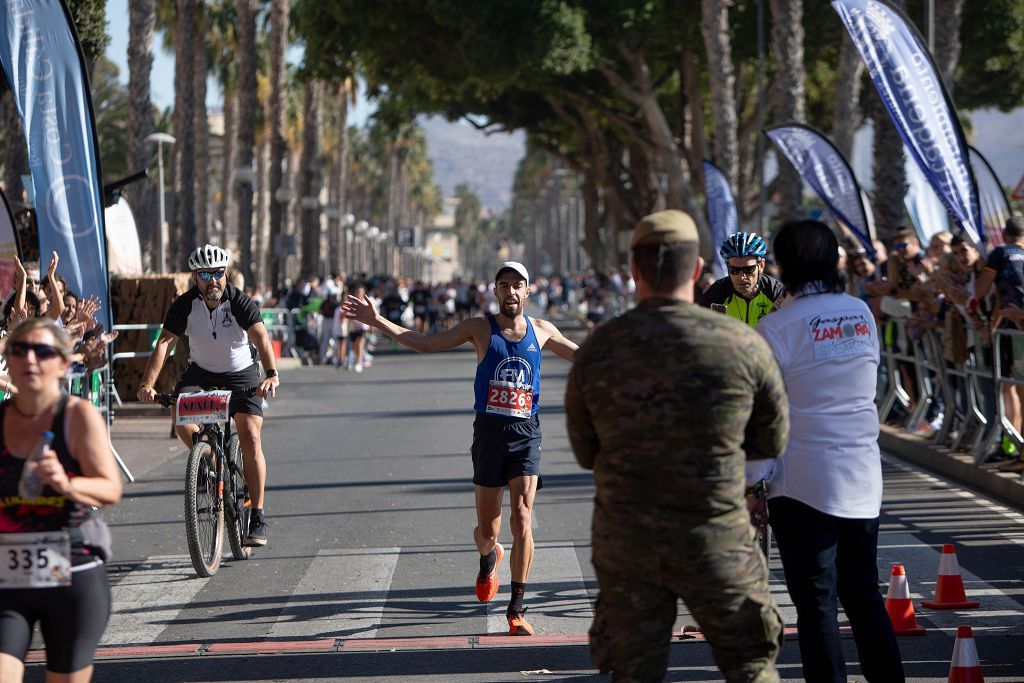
[162, 81]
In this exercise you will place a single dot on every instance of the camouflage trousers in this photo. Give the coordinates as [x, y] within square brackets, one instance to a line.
[727, 593]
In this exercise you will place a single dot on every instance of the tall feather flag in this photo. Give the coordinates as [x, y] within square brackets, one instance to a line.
[823, 167]
[44, 65]
[995, 208]
[721, 210]
[910, 87]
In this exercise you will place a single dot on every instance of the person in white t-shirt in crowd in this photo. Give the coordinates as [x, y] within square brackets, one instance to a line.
[825, 497]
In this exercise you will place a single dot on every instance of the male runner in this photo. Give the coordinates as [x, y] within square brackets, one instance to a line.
[746, 293]
[506, 431]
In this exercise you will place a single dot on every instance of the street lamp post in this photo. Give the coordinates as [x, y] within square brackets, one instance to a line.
[160, 139]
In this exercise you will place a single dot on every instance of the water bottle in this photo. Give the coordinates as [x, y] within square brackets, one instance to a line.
[28, 485]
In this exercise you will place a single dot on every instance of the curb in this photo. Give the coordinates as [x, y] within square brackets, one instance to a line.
[959, 467]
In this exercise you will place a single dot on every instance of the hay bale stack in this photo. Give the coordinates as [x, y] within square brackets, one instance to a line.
[145, 300]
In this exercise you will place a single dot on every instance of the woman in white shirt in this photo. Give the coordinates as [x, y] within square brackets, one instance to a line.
[826, 494]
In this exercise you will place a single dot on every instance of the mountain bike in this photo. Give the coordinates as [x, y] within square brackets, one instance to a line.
[216, 496]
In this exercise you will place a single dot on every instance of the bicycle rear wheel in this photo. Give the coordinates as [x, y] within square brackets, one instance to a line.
[204, 512]
[236, 502]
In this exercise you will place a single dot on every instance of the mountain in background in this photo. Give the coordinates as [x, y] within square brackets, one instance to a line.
[463, 154]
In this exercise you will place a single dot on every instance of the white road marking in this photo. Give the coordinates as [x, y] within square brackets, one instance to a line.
[147, 599]
[342, 594]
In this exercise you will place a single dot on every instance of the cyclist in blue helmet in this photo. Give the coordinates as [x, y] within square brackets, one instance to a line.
[746, 293]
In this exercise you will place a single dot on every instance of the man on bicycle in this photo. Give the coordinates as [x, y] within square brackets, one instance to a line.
[746, 293]
[225, 332]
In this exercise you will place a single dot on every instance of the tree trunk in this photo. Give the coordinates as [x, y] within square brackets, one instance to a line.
[890, 171]
[15, 150]
[184, 237]
[142, 19]
[248, 107]
[226, 208]
[695, 143]
[263, 201]
[278, 151]
[310, 177]
[667, 159]
[343, 94]
[788, 51]
[718, 44]
[948, 15]
[846, 117]
[202, 136]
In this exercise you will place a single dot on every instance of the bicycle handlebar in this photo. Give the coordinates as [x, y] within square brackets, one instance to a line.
[169, 399]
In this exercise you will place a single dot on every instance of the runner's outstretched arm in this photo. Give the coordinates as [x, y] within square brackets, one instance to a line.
[562, 347]
[363, 311]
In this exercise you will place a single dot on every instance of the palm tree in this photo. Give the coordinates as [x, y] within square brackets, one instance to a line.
[948, 16]
[201, 141]
[142, 20]
[221, 21]
[721, 76]
[248, 107]
[184, 129]
[788, 51]
[846, 117]
[890, 173]
[278, 151]
[310, 177]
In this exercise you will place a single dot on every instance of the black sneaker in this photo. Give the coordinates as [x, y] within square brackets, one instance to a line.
[257, 535]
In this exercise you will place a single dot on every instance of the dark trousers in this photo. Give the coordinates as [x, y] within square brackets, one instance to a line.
[826, 558]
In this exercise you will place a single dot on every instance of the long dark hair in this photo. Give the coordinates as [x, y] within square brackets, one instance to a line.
[807, 252]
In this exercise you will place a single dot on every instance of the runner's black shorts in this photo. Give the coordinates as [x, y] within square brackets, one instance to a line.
[71, 619]
[504, 449]
[242, 383]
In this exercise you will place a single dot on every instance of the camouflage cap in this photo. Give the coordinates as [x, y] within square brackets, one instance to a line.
[664, 227]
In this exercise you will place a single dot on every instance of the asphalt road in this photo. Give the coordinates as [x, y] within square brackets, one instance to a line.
[369, 569]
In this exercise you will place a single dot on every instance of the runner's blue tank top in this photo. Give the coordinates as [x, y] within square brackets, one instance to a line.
[508, 378]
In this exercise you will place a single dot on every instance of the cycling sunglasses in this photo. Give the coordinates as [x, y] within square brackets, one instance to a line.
[42, 351]
[746, 270]
[206, 276]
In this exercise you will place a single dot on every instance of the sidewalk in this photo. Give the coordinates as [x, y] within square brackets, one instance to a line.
[959, 467]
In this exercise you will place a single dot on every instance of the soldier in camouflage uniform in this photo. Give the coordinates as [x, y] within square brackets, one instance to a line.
[665, 403]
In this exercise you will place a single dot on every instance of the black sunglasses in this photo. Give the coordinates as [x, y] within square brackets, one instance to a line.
[899, 245]
[42, 351]
[746, 270]
[206, 276]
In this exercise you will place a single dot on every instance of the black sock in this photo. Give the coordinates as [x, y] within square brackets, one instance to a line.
[518, 591]
[488, 561]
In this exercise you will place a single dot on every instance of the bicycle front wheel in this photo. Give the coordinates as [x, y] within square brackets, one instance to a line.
[204, 512]
[236, 502]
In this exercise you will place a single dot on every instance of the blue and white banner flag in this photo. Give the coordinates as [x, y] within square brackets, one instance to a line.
[43, 62]
[926, 211]
[909, 84]
[824, 168]
[995, 208]
[722, 214]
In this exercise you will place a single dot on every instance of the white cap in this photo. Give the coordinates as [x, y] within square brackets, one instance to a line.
[516, 266]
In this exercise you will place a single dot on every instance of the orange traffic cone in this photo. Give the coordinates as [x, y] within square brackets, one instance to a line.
[949, 587]
[965, 667]
[899, 605]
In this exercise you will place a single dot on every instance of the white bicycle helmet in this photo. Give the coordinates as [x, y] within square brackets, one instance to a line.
[209, 256]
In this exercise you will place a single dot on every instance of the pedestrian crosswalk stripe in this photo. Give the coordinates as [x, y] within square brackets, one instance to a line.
[343, 594]
[147, 599]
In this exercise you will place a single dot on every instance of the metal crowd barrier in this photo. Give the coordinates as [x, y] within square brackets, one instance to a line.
[96, 387]
[970, 393]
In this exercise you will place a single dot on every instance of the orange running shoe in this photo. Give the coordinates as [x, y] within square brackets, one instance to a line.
[517, 623]
[487, 585]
